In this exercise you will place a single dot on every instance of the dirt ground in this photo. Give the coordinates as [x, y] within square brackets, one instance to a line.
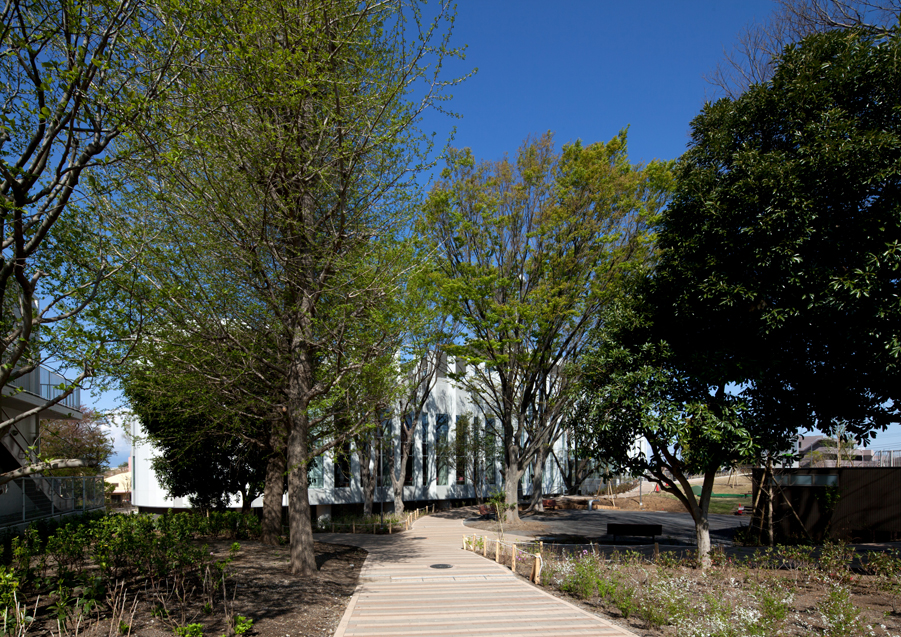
[260, 587]
[652, 502]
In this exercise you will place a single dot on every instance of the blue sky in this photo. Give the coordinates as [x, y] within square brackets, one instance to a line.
[585, 69]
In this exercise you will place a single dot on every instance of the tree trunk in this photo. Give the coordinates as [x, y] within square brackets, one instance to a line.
[367, 479]
[303, 558]
[512, 476]
[537, 501]
[274, 488]
[399, 476]
[702, 534]
[699, 512]
[769, 502]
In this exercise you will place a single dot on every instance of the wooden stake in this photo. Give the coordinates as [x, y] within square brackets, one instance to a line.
[484, 546]
[353, 527]
[513, 559]
[464, 542]
[497, 551]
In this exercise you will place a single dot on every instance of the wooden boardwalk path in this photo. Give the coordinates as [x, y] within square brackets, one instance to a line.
[400, 594]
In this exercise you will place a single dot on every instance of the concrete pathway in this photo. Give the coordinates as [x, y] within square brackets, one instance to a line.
[400, 594]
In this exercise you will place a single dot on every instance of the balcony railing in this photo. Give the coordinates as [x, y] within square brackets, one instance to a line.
[46, 384]
[33, 498]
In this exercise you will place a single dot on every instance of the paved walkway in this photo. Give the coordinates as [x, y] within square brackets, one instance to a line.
[399, 594]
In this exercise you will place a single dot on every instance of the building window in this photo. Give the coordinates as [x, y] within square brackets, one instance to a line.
[425, 450]
[342, 467]
[463, 449]
[315, 473]
[408, 473]
[442, 448]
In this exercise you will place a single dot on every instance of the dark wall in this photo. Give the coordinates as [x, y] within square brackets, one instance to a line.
[867, 507]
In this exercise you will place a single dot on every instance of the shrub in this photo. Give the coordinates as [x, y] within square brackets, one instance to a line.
[839, 615]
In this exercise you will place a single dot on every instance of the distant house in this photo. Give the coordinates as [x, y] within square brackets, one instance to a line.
[121, 482]
[823, 452]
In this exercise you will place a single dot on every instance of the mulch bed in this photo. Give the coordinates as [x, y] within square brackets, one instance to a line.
[279, 604]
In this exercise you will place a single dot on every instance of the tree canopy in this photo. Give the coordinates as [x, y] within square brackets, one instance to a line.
[781, 250]
[529, 253]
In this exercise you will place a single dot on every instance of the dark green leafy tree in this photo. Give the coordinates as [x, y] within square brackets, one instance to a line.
[643, 414]
[780, 259]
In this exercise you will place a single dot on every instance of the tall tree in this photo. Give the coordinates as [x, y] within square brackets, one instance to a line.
[780, 251]
[74, 78]
[529, 253]
[428, 327]
[288, 167]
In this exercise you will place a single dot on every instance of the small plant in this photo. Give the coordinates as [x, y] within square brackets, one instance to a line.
[583, 582]
[839, 614]
[123, 627]
[774, 604]
[191, 630]
[623, 597]
[835, 559]
[242, 624]
[207, 609]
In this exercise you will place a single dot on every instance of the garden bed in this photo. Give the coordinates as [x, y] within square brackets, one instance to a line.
[131, 575]
[791, 591]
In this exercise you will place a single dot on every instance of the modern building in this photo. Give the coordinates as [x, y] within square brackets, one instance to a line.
[820, 451]
[436, 472]
[24, 500]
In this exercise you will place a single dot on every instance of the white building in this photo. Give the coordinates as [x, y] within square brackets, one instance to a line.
[335, 481]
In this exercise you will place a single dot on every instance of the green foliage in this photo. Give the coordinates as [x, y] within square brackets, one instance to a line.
[191, 630]
[840, 616]
[528, 254]
[584, 582]
[781, 251]
[75, 97]
[9, 584]
[85, 438]
[242, 624]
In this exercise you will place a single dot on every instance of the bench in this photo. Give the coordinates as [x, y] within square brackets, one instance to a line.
[549, 504]
[485, 511]
[643, 530]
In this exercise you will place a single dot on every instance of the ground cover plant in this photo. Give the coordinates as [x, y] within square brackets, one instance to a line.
[182, 574]
[796, 590]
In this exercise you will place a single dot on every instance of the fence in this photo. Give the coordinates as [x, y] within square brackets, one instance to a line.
[827, 458]
[523, 559]
[46, 384]
[378, 526]
[33, 498]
